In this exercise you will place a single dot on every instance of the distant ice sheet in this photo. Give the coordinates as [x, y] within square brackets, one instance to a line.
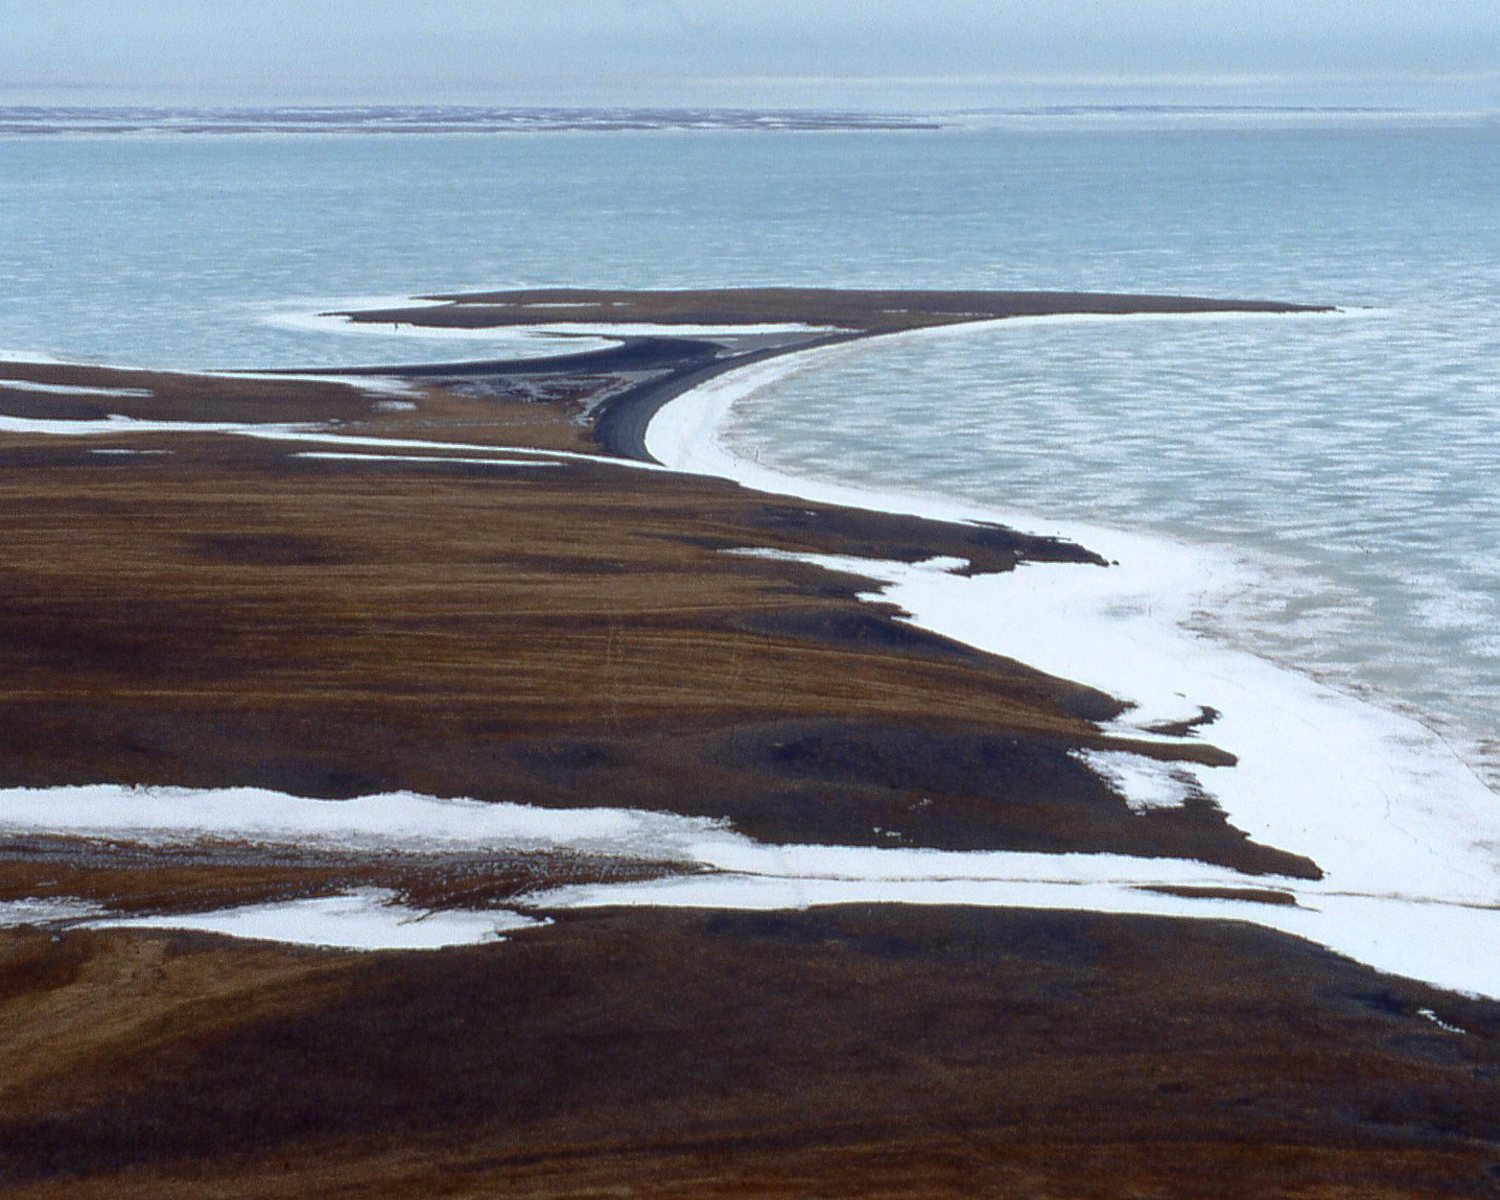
[392, 120]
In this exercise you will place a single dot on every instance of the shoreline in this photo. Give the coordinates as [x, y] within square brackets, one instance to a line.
[1399, 762]
[633, 824]
[1223, 570]
[674, 419]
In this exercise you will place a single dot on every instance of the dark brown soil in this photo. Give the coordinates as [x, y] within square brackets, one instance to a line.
[1253, 895]
[854, 1051]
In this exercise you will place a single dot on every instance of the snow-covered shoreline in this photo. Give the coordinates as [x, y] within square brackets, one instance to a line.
[1408, 837]
[1381, 803]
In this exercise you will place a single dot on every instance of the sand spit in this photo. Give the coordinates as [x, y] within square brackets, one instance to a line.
[837, 892]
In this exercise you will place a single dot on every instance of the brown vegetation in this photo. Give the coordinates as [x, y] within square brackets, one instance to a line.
[230, 612]
[854, 1051]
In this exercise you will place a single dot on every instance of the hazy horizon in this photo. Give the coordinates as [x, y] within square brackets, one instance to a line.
[944, 54]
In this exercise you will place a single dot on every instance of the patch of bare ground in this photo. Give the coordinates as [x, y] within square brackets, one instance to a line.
[864, 311]
[1251, 895]
[84, 1013]
[863, 1051]
[127, 877]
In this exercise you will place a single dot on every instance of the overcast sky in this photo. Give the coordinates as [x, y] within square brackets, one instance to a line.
[911, 52]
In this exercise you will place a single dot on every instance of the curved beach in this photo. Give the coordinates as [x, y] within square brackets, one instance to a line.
[1403, 828]
[345, 707]
[1397, 830]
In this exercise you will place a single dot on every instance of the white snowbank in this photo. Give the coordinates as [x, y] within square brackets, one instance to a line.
[1445, 945]
[394, 819]
[621, 329]
[116, 424]
[379, 385]
[64, 389]
[288, 433]
[367, 919]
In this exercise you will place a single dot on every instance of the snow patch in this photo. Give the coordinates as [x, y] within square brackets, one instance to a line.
[120, 450]
[1439, 1022]
[393, 819]
[65, 389]
[46, 912]
[367, 919]
[115, 424]
[378, 385]
[1145, 783]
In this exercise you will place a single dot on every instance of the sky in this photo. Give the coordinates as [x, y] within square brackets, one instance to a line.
[799, 53]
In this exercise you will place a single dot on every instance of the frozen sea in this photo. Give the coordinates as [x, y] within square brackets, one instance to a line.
[1351, 461]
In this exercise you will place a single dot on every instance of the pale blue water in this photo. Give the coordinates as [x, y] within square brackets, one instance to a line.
[1359, 455]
